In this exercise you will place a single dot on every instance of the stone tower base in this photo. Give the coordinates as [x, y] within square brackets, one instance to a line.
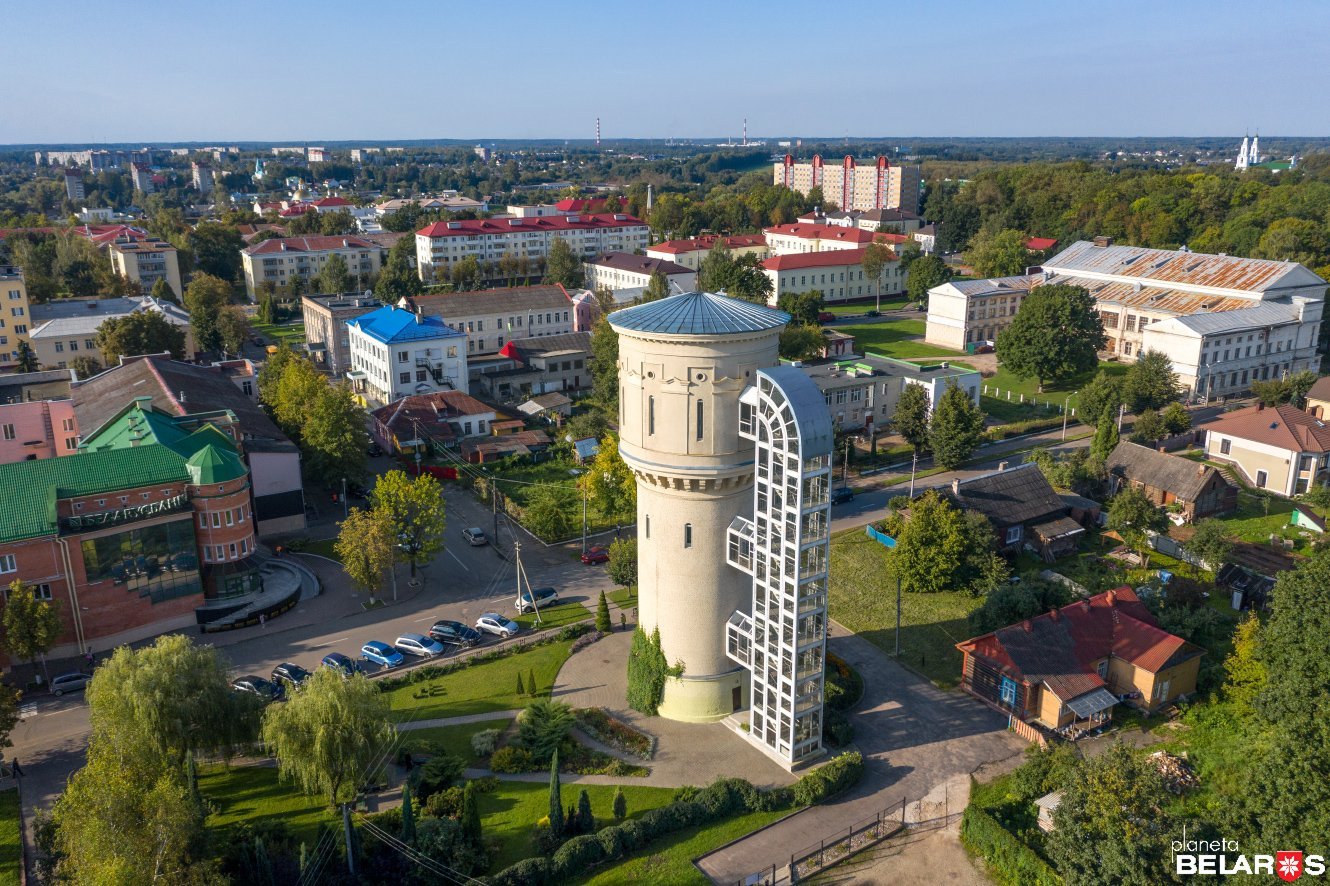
[704, 699]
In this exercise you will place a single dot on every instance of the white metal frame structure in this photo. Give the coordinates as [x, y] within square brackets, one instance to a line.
[785, 548]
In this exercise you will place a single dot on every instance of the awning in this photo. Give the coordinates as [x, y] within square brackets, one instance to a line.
[1092, 703]
[1063, 527]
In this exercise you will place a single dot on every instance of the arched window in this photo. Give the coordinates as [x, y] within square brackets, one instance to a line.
[688, 535]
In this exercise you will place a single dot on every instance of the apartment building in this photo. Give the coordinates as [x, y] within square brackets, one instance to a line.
[529, 367]
[493, 317]
[141, 175]
[397, 353]
[441, 245]
[143, 259]
[837, 273]
[64, 329]
[74, 185]
[202, 177]
[627, 275]
[281, 260]
[14, 314]
[894, 220]
[850, 186]
[796, 238]
[327, 338]
[37, 429]
[861, 391]
[1224, 321]
[689, 253]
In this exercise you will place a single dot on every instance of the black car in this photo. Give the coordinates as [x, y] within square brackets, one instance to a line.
[841, 495]
[455, 633]
[264, 689]
[290, 674]
[375, 450]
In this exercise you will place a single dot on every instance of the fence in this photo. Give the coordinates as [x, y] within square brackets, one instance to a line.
[1050, 404]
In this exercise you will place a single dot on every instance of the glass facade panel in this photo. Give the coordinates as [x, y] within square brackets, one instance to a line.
[159, 562]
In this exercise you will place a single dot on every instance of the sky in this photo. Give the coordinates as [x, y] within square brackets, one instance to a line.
[82, 71]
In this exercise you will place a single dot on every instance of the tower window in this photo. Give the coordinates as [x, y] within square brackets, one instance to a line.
[699, 419]
[651, 416]
[688, 535]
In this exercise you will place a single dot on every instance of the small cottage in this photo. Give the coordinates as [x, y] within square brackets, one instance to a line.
[1198, 490]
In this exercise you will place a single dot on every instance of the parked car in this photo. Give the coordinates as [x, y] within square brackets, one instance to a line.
[475, 536]
[454, 633]
[264, 689]
[340, 663]
[419, 646]
[74, 682]
[290, 674]
[494, 623]
[381, 654]
[873, 314]
[825, 316]
[841, 494]
[536, 598]
[596, 555]
[374, 450]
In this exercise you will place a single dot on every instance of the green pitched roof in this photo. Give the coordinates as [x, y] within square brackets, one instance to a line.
[31, 488]
[213, 463]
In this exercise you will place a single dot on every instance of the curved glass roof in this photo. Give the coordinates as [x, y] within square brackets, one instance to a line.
[698, 313]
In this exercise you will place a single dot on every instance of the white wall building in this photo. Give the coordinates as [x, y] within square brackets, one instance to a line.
[441, 245]
[627, 275]
[785, 547]
[281, 260]
[837, 273]
[491, 318]
[396, 353]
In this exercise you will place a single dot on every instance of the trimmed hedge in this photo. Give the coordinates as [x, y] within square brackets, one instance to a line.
[1009, 861]
[435, 671]
[527, 872]
[842, 773]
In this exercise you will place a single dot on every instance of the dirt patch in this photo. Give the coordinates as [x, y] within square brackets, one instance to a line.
[921, 857]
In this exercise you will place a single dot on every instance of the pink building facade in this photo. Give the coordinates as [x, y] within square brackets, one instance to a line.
[37, 429]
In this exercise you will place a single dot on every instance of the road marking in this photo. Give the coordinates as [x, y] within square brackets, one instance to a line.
[331, 642]
[459, 562]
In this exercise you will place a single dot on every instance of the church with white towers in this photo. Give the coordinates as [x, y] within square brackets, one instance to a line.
[1249, 157]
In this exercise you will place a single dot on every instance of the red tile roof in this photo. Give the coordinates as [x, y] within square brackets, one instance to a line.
[332, 201]
[580, 204]
[1039, 244]
[824, 232]
[308, 244]
[295, 209]
[831, 258]
[704, 243]
[472, 227]
[1281, 426]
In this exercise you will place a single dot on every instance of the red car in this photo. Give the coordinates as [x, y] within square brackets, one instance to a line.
[595, 555]
[825, 317]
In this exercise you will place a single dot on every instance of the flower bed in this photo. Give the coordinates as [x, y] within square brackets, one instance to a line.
[615, 733]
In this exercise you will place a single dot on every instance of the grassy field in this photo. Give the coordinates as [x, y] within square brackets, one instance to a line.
[1054, 392]
[624, 598]
[863, 598]
[862, 307]
[509, 814]
[478, 689]
[455, 740]
[324, 547]
[555, 616]
[11, 846]
[669, 861]
[244, 794]
[292, 334]
[900, 338]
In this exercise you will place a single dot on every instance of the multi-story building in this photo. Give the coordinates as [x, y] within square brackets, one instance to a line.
[14, 314]
[441, 245]
[32, 429]
[74, 185]
[895, 220]
[332, 204]
[137, 533]
[799, 238]
[420, 421]
[67, 328]
[689, 253]
[449, 201]
[317, 155]
[627, 276]
[837, 273]
[326, 336]
[1281, 449]
[1224, 321]
[491, 318]
[397, 353]
[849, 186]
[861, 391]
[781, 636]
[281, 260]
[141, 175]
[144, 259]
[528, 367]
[227, 394]
[684, 362]
[202, 177]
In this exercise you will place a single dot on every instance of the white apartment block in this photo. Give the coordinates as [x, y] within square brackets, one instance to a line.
[396, 354]
[202, 177]
[690, 253]
[280, 260]
[145, 260]
[861, 392]
[491, 318]
[799, 237]
[785, 547]
[837, 273]
[441, 245]
[627, 275]
[141, 175]
[1224, 321]
[850, 186]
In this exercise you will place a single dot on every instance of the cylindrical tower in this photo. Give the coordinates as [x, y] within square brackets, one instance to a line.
[683, 362]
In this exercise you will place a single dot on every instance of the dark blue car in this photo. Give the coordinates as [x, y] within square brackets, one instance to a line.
[339, 662]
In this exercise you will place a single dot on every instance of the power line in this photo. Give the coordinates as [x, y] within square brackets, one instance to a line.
[416, 856]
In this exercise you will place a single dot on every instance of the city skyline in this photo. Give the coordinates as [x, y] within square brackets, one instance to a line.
[265, 73]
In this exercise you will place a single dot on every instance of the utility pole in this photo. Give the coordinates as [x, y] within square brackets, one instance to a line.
[845, 471]
[494, 508]
[1122, 411]
[521, 577]
[584, 497]
[914, 464]
[1065, 404]
[346, 830]
[345, 507]
[898, 616]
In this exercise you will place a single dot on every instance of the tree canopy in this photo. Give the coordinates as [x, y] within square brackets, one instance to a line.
[939, 548]
[415, 507]
[955, 428]
[205, 297]
[998, 253]
[563, 266]
[910, 418]
[926, 272]
[143, 332]
[1055, 335]
[1150, 383]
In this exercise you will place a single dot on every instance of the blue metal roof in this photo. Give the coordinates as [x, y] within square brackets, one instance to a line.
[390, 325]
[698, 313]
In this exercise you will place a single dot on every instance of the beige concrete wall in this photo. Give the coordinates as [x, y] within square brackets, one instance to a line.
[1247, 456]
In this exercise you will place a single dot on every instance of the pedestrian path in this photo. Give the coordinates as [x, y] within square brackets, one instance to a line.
[457, 721]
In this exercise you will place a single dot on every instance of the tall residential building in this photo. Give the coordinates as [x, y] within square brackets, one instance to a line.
[145, 260]
[684, 361]
[441, 245]
[1224, 321]
[281, 260]
[781, 637]
[202, 177]
[74, 185]
[141, 175]
[849, 186]
[326, 336]
[15, 314]
[396, 353]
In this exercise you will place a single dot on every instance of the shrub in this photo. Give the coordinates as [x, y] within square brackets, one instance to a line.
[575, 856]
[543, 726]
[437, 774]
[1009, 861]
[573, 631]
[586, 640]
[486, 784]
[614, 732]
[444, 804]
[484, 743]
[841, 773]
[837, 729]
[775, 798]
[633, 834]
[513, 759]
[686, 793]
[720, 798]
[647, 670]
[527, 872]
[611, 842]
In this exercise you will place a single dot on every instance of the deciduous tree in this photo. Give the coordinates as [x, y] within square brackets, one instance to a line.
[609, 482]
[1150, 383]
[657, 287]
[563, 266]
[939, 548]
[604, 365]
[876, 257]
[144, 332]
[803, 307]
[205, 297]
[1106, 438]
[162, 291]
[1055, 335]
[910, 418]
[801, 341]
[232, 329]
[216, 249]
[924, 273]
[333, 436]
[622, 568]
[998, 253]
[551, 512]
[334, 277]
[1133, 516]
[955, 428]
[32, 626]
[365, 545]
[1101, 396]
[415, 507]
[1148, 428]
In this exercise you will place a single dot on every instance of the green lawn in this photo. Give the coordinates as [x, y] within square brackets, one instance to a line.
[555, 616]
[11, 845]
[863, 598]
[1251, 522]
[509, 814]
[553, 473]
[292, 334]
[900, 338]
[455, 740]
[245, 794]
[1055, 392]
[669, 861]
[480, 688]
[624, 598]
[863, 307]
[324, 547]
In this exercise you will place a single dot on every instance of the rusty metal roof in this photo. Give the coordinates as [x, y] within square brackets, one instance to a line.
[1161, 299]
[1185, 269]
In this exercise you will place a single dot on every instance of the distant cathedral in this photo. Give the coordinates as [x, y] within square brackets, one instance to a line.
[1249, 157]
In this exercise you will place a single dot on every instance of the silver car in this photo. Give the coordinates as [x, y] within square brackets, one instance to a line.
[75, 682]
[475, 536]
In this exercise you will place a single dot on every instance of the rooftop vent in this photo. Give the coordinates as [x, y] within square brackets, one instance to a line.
[1103, 242]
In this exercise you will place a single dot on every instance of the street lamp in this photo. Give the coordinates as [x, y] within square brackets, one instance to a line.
[1065, 404]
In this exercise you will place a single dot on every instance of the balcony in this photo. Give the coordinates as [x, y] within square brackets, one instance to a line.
[739, 638]
[739, 549]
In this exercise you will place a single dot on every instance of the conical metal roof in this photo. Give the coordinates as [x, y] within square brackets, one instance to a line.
[698, 313]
